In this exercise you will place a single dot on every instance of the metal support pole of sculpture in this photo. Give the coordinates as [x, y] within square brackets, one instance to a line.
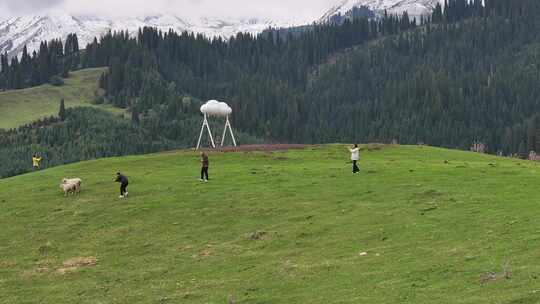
[207, 126]
[227, 126]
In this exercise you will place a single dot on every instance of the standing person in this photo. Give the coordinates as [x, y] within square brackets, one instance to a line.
[36, 162]
[204, 167]
[355, 156]
[122, 179]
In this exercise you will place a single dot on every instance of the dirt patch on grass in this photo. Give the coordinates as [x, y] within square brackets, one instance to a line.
[206, 252]
[374, 147]
[74, 264]
[42, 267]
[81, 261]
[7, 264]
[265, 148]
[490, 277]
[185, 248]
[257, 235]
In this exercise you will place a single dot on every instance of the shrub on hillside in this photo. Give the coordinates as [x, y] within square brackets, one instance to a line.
[99, 97]
[57, 81]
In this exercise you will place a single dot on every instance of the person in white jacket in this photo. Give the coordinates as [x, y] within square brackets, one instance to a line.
[355, 156]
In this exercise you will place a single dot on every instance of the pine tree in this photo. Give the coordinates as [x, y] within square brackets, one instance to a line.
[62, 111]
[135, 116]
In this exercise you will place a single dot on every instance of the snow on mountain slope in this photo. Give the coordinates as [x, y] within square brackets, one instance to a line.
[32, 30]
[412, 7]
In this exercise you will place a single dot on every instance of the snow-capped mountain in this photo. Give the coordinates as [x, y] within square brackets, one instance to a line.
[414, 8]
[32, 30]
[17, 32]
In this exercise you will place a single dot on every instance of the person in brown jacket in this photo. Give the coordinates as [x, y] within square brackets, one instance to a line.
[204, 167]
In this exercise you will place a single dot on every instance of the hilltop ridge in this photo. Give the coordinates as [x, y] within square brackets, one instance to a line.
[417, 225]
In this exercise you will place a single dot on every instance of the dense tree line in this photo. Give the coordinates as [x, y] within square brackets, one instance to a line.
[53, 59]
[86, 134]
[354, 13]
[264, 77]
[89, 133]
[457, 10]
[446, 84]
[467, 73]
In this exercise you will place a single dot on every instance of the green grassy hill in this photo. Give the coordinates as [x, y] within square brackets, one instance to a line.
[418, 225]
[18, 107]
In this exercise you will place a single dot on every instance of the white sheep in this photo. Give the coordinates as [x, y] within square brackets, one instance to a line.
[75, 180]
[71, 185]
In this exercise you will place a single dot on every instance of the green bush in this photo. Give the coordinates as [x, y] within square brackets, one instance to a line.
[57, 81]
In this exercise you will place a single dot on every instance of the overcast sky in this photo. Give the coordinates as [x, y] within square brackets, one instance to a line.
[233, 8]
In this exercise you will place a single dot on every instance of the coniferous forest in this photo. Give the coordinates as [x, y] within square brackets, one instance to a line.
[54, 59]
[470, 72]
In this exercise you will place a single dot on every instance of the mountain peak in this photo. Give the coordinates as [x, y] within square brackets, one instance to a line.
[32, 30]
[414, 8]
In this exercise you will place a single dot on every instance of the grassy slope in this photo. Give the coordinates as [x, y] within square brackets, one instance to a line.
[431, 229]
[18, 107]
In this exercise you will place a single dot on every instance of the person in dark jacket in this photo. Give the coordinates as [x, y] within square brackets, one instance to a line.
[123, 180]
[204, 167]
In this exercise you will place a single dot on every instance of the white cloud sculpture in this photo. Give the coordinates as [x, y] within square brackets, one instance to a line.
[216, 108]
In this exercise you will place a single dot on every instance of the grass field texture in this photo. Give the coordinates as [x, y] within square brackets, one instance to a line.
[417, 225]
[18, 107]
